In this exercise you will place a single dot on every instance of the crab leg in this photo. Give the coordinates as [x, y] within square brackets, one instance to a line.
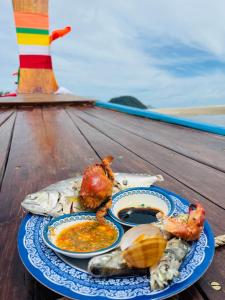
[102, 211]
[106, 163]
[187, 226]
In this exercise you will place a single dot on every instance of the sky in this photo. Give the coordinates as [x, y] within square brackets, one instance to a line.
[165, 53]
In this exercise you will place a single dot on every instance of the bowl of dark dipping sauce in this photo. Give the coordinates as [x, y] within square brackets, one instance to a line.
[140, 205]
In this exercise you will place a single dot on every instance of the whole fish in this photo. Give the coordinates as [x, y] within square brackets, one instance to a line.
[63, 197]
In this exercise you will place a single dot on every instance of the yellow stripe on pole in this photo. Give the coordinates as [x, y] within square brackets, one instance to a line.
[33, 39]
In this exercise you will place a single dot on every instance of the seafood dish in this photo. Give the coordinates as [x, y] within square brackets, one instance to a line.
[114, 264]
[157, 248]
[80, 194]
[161, 247]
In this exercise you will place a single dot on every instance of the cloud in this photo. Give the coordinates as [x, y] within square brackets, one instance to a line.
[166, 53]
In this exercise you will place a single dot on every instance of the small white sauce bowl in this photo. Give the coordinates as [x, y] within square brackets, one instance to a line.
[144, 197]
[62, 222]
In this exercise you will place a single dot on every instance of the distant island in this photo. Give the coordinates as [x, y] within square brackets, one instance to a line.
[129, 101]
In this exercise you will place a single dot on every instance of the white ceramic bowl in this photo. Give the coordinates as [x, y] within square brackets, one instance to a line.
[60, 223]
[144, 197]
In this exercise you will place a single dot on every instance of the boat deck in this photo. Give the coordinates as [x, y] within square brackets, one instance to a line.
[41, 145]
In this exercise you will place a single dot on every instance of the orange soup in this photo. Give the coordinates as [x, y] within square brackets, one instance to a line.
[87, 236]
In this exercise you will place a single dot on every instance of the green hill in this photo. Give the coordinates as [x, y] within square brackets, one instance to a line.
[128, 101]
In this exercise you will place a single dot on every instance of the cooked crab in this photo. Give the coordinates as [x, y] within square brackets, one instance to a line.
[96, 187]
[187, 226]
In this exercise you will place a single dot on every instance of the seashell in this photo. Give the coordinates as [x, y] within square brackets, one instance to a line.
[145, 252]
[136, 232]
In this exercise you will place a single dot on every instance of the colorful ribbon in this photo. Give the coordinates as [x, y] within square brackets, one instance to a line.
[28, 20]
[33, 38]
[35, 62]
[59, 33]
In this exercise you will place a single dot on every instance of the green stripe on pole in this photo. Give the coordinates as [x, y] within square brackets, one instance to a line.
[32, 30]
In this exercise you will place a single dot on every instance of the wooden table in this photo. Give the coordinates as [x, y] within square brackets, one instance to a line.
[41, 145]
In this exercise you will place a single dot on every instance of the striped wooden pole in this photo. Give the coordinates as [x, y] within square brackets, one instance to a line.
[32, 28]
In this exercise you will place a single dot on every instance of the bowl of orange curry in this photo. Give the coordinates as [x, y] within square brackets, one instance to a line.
[79, 235]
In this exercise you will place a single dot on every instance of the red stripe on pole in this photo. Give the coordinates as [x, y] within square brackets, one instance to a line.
[35, 61]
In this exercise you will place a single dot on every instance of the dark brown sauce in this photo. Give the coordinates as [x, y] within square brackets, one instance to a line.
[138, 215]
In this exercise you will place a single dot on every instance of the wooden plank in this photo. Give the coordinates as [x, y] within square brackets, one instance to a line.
[126, 161]
[6, 131]
[216, 272]
[5, 115]
[199, 177]
[4, 110]
[46, 147]
[43, 99]
[204, 147]
[1, 111]
[192, 293]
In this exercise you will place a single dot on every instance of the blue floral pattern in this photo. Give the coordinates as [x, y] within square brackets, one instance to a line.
[66, 278]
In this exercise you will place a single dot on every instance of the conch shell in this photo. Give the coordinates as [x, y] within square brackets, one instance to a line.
[143, 246]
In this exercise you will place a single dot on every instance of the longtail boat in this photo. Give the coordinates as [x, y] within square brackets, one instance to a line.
[46, 137]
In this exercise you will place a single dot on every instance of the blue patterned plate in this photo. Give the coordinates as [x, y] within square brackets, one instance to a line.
[76, 283]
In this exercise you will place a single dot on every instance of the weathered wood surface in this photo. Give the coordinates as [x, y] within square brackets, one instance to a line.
[6, 129]
[201, 146]
[39, 146]
[42, 99]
